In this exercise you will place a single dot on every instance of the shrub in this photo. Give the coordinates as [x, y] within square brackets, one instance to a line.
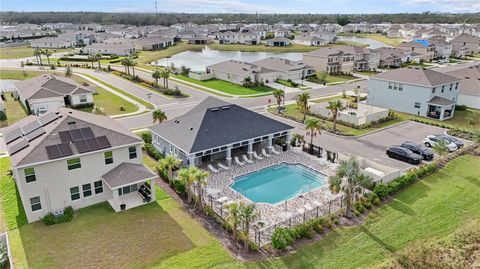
[460, 107]
[122, 108]
[179, 186]
[3, 116]
[381, 190]
[303, 230]
[317, 225]
[3, 256]
[152, 151]
[281, 238]
[359, 208]
[67, 216]
[289, 80]
[49, 219]
[146, 137]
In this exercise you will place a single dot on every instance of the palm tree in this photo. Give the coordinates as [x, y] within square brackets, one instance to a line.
[38, 54]
[159, 116]
[335, 106]
[99, 56]
[278, 94]
[125, 64]
[298, 138]
[156, 75]
[440, 148]
[313, 128]
[234, 217]
[193, 176]
[247, 215]
[48, 54]
[302, 103]
[68, 72]
[169, 163]
[91, 58]
[133, 63]
[200, 182]
[350, 181]
[165, 74]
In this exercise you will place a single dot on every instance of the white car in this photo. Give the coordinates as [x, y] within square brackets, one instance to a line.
[431, 140]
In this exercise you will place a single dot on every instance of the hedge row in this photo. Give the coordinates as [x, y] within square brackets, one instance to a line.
[384, 190]
[67, 216]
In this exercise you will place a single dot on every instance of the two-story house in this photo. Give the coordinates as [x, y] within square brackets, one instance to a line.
[247, 38]
[342, 59]
[421, 92]
[421, 46]
[73, 158]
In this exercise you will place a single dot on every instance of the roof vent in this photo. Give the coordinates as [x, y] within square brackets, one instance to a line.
[214, 109]
[71, 122]
[176, 121]
[191, 128]
[225, 107]
[467, 77]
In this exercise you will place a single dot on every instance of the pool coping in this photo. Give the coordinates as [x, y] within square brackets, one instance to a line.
[283, 162]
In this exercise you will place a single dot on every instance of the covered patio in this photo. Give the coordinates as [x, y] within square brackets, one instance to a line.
[440, 108]
[131, 185]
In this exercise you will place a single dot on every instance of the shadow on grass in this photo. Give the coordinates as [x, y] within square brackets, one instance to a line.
[141, 237]
[402, 207]
[376, 239]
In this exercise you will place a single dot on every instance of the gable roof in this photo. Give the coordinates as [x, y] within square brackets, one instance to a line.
[48, 85]
[235, 67]
[214, 123]
[279, 64]
[470, 76]
[126, 174]
[36, 152]
[416, 76]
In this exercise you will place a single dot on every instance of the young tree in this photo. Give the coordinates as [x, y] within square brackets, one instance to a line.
[200, 182]
[302, 103]
[165, 74]
[322, 76]
[233, 217]
[91, 58]
[313, 128]
[440, 148]
[47, 53]
[133, 63]
[126, 65]
[350, 181]
[156, 75]
[247, 215]
[335, 106]
[278, 94]
[159, 116]
[68, 72]
[38, 54]
[98, 57]
[193, 176]
[169, 163]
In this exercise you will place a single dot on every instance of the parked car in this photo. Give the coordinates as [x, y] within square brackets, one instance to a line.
[426, 153]
[431, 140]
[404, 154]
[452, 139]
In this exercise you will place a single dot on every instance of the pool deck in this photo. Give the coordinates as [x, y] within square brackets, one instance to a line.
[272, 214]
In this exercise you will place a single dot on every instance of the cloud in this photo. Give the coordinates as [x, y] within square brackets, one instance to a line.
[448, 5]
[221, 6]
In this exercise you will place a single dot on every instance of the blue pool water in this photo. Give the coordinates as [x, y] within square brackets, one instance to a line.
[278, 183]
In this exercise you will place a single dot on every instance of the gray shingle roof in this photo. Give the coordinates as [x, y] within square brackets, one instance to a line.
[470, 76]
[204, 127]
[126, 174]
[441, 101]
[34, 88]
[416, 76]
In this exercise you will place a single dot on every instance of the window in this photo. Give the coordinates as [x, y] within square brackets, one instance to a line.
[443, 88]
[35, 203]
[456, 86]
[29, 174]
[451, 86]
[400, 87]
[83, 98]
[108, 157]
[390, 85]
[417, 105]
[75, 193]
[433, 90]
[127, 189]
[395, 86]
[87, 190]
[98, 186]
[132, 152]
[74, 164]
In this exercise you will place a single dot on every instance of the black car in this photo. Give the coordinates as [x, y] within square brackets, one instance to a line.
[426, 153]
[452, 139]
[404, 154]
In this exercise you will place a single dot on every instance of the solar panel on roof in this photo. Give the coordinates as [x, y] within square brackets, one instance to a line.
[93, 143]
[103, 141]
[17, 146]
[65, 149]
[81, 146]
[47, 118]
[65, 136]
[30, 127]
[87, 133]
[13, 135]
[38, 132]
[76, 135]
[53, 152]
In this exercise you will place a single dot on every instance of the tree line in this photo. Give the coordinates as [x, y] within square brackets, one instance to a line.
[166, 19]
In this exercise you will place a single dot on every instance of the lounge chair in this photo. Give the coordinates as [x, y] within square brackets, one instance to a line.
[210, 166]
[274, 151]
[238, 161]
[264, 152]
[222, 199]
[223, 166]
[256, 156]
[245, 158]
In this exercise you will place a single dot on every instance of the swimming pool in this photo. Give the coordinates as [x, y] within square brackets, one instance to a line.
[278, 183]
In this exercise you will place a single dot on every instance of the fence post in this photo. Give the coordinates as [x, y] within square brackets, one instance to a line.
[329, 205]
[317, 211]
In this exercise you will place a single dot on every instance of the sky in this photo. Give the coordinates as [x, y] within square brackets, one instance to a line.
[246, 6]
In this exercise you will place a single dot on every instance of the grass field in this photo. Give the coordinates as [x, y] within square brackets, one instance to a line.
[163, 235]
[13, 215]
[458, 121]
[378, 37]
[23, 52]
[228, 87]
[14, 109]
[19, 75]
[112, 104]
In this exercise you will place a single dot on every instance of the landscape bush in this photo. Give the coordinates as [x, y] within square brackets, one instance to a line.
[67, 216]
[146, 137]
[281, 238]
[152, 151]
[304, 230]
[179, 186]
[3, 256]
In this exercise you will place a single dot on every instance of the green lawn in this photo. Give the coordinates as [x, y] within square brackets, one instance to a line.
[367, 73]
[288, 84]
[23, 52]
[19, 75]
[112, 104]
[379, 37]
[12, 213]
[228, 87]
[14, 109]
[143, 102]
[333, 78]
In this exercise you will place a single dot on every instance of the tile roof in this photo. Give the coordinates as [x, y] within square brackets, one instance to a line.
[214, 123]
[126, 174]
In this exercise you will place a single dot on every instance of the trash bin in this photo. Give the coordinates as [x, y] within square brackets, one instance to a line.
[123, 207]
[284, 147]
